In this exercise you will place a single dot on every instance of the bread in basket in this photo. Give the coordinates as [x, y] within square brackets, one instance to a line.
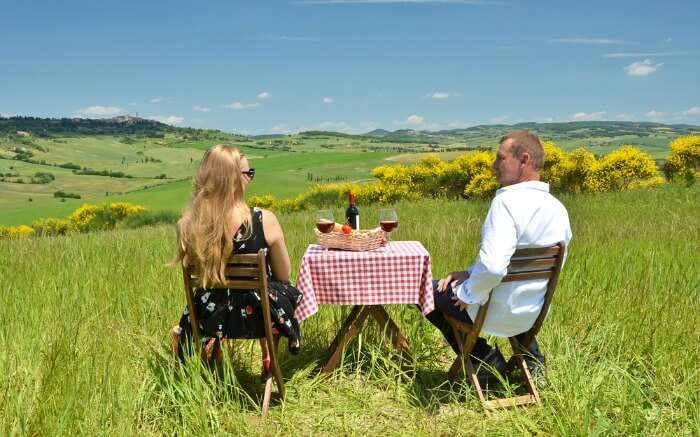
[356, 240]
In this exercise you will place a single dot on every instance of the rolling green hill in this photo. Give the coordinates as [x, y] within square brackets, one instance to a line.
[147, 162]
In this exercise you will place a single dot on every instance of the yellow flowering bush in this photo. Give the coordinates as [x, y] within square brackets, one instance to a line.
[52, 226]
[621, 169]
[684, 158]
[578, 167]
[83, 217]
[555, 165]
[462, 172]
[481, 186]
[90, 217]
[16, 232]
[266, 201]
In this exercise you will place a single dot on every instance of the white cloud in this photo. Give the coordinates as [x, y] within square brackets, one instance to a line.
[7, 114]
[264, 95]
[168, 119]
[100, 111]
[651, 55]
[655, 114]
[328, 100]
[596, 41]
[643, 68]
[414, 119]
[499, 120]
[439, 95]
[240, 105]
[625, 116]
[588, 116]
[199, 108]
[695, 110]
[156, 100]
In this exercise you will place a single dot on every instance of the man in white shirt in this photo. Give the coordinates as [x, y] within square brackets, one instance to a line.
[523, 214]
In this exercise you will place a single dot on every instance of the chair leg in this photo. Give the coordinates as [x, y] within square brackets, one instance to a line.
[266, 397]
[277, 372]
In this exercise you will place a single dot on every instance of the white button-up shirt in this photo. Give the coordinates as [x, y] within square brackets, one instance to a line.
[521, 216]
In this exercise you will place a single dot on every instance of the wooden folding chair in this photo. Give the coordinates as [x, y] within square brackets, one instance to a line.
[244, 273]
[525, 264]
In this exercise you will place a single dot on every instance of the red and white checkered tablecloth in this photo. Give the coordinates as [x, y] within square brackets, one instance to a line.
[398, 272]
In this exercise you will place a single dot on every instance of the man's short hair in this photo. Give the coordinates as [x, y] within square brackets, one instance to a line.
[526, 141]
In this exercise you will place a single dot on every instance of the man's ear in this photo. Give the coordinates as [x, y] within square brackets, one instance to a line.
[525, 158]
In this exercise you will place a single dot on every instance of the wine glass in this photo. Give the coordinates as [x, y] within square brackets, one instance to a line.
[388, 220]
[325, 220]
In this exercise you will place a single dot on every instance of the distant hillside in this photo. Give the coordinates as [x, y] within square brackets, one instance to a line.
[116, 126]
[551, 131]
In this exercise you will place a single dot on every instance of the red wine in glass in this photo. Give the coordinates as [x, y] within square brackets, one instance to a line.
[388, 225]
[324, 226]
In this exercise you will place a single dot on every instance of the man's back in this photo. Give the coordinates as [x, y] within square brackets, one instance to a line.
[521, 215]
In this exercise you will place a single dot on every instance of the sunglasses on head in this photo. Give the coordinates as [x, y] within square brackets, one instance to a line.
[250, 173]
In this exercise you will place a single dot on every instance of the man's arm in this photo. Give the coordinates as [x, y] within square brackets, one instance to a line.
[498, 241]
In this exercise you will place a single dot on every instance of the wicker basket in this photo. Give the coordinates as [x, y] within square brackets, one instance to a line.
[358, 241]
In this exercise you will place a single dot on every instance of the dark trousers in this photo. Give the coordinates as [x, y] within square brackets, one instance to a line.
[445, 305]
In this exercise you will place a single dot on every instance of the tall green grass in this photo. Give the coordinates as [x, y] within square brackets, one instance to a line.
[84, 349]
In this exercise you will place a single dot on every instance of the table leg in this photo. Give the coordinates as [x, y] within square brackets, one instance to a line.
[348, 331]
[353, 324]
[397, 339]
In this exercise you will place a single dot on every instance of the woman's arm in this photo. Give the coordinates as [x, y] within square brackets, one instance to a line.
[279, 257]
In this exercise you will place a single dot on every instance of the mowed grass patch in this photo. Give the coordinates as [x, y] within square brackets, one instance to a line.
[84, 322]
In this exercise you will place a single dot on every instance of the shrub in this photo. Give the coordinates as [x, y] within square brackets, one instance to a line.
[481, 186]
[621, 169]
[684, 158]
[16, 232]
[147, 218]
[579, 165]
[555, 165]
[106, 216]
[52, 227]
[42, 178]
[82, 218]
[63, 195]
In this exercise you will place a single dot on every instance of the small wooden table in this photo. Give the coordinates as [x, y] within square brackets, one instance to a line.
[397, 273]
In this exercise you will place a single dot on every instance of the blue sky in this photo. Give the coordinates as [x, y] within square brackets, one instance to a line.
[351, 65]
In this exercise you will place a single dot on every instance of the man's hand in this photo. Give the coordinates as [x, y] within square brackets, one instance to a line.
[459, 304]
[453, 279]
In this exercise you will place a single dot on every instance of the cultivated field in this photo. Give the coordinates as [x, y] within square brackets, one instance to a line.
[84, 322]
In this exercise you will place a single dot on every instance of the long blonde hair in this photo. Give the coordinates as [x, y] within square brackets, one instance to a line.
[207, 228]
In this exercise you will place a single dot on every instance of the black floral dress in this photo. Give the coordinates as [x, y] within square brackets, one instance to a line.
[224, 314]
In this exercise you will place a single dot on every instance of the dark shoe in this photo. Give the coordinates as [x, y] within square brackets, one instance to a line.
[491, 367]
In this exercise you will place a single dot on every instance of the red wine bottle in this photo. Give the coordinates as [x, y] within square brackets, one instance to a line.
[352, 214]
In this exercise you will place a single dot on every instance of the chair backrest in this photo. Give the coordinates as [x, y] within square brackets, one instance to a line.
[527, 264]
[537, 263]
[244, 272]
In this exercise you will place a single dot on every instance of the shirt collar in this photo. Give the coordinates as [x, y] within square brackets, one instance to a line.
[535, 185]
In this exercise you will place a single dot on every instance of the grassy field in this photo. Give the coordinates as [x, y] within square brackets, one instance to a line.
[287, 164]
[84, 322]
[281, 173]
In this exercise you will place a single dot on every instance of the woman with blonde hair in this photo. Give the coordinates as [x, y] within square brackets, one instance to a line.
[217, 223]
